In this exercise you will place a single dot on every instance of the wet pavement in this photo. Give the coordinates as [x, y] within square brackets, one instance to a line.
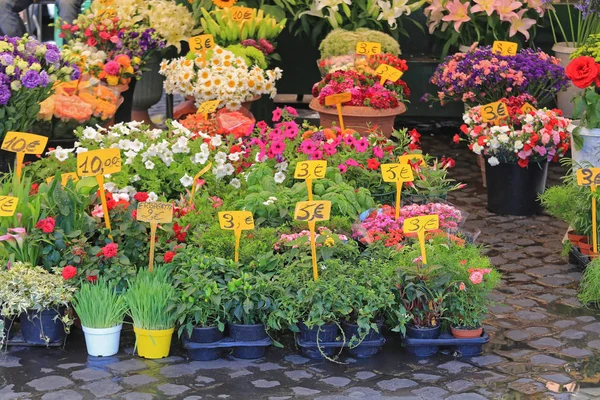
[543, 343]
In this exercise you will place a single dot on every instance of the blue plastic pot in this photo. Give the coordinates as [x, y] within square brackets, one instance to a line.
[324, 333]
[8, 324]
[422, 333]
[210, 334]
[362, 351]
[36, 326]
[248, 333]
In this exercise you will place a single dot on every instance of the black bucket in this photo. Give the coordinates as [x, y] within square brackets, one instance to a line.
[422, 333]
[362, 351]
[123, 113]
[248, 333]
[210, 334]
[513, 190]
[38, 325]
[326, 333]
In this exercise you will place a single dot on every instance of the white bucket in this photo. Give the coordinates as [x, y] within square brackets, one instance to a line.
[564, 98]
[102, 342]
[589, 154]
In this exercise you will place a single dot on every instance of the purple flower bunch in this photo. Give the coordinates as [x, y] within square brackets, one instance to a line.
[481, 77]
[588, 8]
[140, 43]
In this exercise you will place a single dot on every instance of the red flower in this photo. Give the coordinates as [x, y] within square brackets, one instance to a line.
[34, 189]
[177, 228]
[582, 71]
[464, 129]
[169, 256]
[141, 197]
[462, 286]
[110, 250]
[92, 278]
[181, 236]
[372, 163]
[456, 138]
[69, 272]
[134, 214]
[448, 162]
[523, 163]
[413, 146]
[47, 225]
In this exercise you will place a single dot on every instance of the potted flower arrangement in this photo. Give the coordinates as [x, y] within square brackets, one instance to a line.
[101, 311]
[518, 150]
[584, 72]
[41, 300]
[148, 298]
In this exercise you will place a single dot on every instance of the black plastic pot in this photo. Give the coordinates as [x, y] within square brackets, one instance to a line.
[248, 333]
[513, 190]
[38, 325]
[123, 113]
[210, 334]
[361, 351]
[422, 333]
[324, 333]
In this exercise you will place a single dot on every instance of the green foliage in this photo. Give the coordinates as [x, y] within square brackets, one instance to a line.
[590, 48]
[251, 55]
[587, 109]
[250, 299]
[148, 299]
[340, 42]
[99, 305]
[589, 287]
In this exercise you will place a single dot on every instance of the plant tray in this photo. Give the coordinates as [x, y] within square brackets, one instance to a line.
[18, 340]
[338, 344]
[578, 258]
[312, 350]
[225, 343]
[464, 347]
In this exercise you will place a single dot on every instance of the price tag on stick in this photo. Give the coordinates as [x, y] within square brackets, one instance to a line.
[202, 43]
[196, 177]
[338, 100]
[494, 112]
[311, 212]
[241, 14]
[236, 221]
[368, 48]
[99, 163]
[8, 206]
[420, 225]
[208, 107]
[388, 73]
[64, 178]
[505, 48]
[527, 108]
[591, 177]
[23, 143]
[309, 170]
[155, 213]
[398, 173]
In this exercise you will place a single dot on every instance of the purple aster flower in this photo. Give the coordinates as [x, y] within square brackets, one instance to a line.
[4, 95]
[31, 79]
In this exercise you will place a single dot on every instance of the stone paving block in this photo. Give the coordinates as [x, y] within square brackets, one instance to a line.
[174, 371]
[485, 360]
[595, 327]
[396, 383]
[172, 390]
[426, 377]
[454, 367]
[459, 385]
[364, 375]
[123, 367]
[69, 365]
[545, 343]
[585, 318]
[558, 378]
[572, 334]
[594, 344]
[51, 382]
[542, 359]
[517, 335]
[103, 388]
[298, 374]
[576, 352]
[137, 396]
[89, 374]
[525, 315]
[466, 396]
[7, 393]
[564, 323]
[66, 394]
[262, 383]
[538, 330]
[296, 359]
[302, 391]
[204, 379]
[138, 380]
[338, 381]
[7, 361]
[527, 386]
[430, 392]
[240, 373]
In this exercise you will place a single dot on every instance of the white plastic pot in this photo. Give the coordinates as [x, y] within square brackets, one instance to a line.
[590, 152]
[102, 342]
[564, 98]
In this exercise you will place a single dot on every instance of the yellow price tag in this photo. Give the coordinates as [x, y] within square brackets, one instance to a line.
[64, 178]
[224, 3]
[505, 48]
[388, 73]
[313, 169]
[236, 220]
[591, 177]
[368, 48]
[494, 111]
[155, 212]
[527, 108]
[240, 14]
[312, 211]
[198, 175]
[420, 225]
[396, 173]
[411, 157]
[99, 162]
[337, 100]
[201, 43]
[208, 107]
[8, 206]
[23, 143]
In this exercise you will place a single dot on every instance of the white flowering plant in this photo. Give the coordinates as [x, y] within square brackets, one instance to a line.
[220, 75]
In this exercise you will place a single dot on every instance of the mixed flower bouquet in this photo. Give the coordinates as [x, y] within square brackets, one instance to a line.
[28, 71]
[481, 77]
[535, 136]
[221, 75]
[466, 22]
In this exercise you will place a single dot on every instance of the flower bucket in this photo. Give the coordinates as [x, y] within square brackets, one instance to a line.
[102, 342]
[590, 151]
[361, 119]
[248, 333]
[512, 190]
[461, 333]
[564, 98]
[153, 343]
[209, 334]
[42, 327]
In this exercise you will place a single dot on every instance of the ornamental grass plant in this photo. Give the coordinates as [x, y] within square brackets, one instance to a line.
[99, 305]
[148, 300]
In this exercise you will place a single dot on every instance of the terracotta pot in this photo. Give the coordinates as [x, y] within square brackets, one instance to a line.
[466, 333]
[248, 104]
[361, 119]
[574, 238]
[585, 247]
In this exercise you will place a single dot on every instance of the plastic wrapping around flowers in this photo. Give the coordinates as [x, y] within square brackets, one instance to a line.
[239, 123]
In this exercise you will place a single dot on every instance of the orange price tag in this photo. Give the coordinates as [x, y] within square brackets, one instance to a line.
[198, 175]
[240, 14]
[368, 48]
[410, 157]
[236, 221]
[494, 111]
[99, 162]
[23, 143]
[155, 212]
[64, 178]
[311, 212]
[8, 206]
[208, 107]
[337, 100]
[201, 43]
[388, 73]
[527, 108]
[591, 177]
[505, 48]
[398, 173]
[224, 3]
[309, 170]
[420, 225]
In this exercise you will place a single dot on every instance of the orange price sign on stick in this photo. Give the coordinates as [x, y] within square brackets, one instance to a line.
[388, 73]
[338, 100]
[208, 107]
[505, 48]
[240, 14]
[527, 108]
[196, 177]
[23, 143]
[64, 178]
[420, 225]
[99, 163]
[591, 177]
[398, 173]
[155, 213]
[368, 48]
[311, 212]
[236, 221]
[8, 206]
[202, 43]
[309, 170]
[494, 112]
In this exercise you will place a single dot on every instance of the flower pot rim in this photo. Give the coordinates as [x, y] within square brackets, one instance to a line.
[153, 332]
[246, 325]
[563, 47]
[421, 328]
[356, 111]
[102, 331]
[206, 327]
[465, 328]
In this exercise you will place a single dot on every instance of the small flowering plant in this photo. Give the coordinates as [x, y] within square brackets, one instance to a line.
[584, 72]
[536, 136]
[481, 77]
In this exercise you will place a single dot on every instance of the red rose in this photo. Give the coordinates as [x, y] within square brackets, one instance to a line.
[46, 224]
[69, 272]
[582, 71]
[141, 196]
[372, 163]
[110, 250]
[92, 278]
[169, 256]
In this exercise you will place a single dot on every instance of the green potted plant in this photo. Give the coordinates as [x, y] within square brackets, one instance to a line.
[148, 300]
[589, 287]
[101, 310]
[40, 299]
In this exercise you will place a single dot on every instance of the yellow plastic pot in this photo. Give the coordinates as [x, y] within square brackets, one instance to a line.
[153, 343]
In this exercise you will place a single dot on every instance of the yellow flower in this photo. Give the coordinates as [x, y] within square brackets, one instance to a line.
[329, 242]
[112, 80]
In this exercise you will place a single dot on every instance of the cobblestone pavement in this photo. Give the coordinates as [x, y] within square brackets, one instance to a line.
[544, 345]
